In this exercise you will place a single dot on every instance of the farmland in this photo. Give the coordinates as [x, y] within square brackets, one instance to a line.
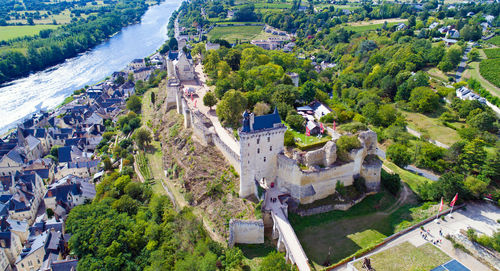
[492, 53]
[12, 32]
[490, 69]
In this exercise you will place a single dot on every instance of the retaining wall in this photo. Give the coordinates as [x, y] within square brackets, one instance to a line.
[246, 232]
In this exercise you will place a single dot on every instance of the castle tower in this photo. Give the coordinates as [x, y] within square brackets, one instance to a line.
[261, 140]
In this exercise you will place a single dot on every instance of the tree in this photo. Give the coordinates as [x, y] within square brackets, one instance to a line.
[475, 186]
[296, 122]
[261, 108]
[391, 182]
[30, 21]
[483, 121]
[209, 99]
[471, 32]
[274, 261]
[399, 155]
[308, 91]
[473, 55]
[130, 77]
[424, 100]
[172, 44]
[50, 213]
[142, 137]
[119, 80]
[153, 97]
[473, 156]
[54, 151]
[134, 104]
[230, 108]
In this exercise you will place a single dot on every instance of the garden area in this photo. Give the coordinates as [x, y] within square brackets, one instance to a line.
[406, 256]
[234, 33]
[16, 31]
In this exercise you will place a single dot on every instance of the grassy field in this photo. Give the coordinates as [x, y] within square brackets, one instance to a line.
[365, 26]
[304, 141]
[432, 126]
[492, 53]
[406, 256]
[438, 74]
[233, 33]
[16, 31]
[490, 69]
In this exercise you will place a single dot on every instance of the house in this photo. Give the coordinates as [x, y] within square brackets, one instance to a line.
[27, 195]
[11, 162]
[211, 46]
[295, 78]
[82, 169]
[180, 65]
[69, 192]
[401, 26]
[433, 25]
[467, 94]
[449, 42]
[143, 73]
[315, 108]
[41, 250]
[137, 64]
[469, 14]
[313, 127]
[266, 44]
[453, 33]
[20, 228]
[10, 243]
[63, 265]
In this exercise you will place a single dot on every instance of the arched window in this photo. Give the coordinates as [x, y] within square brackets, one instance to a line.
[258, 150]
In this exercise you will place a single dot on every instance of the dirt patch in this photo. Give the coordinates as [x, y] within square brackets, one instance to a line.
[202, 175]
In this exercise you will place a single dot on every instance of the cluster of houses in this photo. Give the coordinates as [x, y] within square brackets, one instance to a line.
[48, 165]
[466, 94]
[312, 113]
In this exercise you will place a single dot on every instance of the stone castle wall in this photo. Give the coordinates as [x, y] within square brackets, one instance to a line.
[246, 232]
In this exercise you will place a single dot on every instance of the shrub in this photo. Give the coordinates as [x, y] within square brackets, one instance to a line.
[296, 122]
[354, 127]
[340, 188]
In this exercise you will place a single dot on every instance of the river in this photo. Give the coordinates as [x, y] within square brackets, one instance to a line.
[47, 89]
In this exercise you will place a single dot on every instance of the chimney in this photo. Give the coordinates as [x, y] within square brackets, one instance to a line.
[252, 118]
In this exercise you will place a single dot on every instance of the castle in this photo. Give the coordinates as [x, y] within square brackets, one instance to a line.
[260, 157]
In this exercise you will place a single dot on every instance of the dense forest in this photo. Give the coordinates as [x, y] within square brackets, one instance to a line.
[51, 47]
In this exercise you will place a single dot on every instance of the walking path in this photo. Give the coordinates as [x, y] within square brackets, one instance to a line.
[463, 64]
[201, 89]
[481, 217]
[422, 172]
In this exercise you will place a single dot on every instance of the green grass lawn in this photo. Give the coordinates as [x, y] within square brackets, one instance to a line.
[16, 31]
[407, 257]
[254, 253]
[233, 33]
[432, 126]
[305, 142]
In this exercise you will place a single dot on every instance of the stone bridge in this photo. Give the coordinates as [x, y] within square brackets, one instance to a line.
[283, 231]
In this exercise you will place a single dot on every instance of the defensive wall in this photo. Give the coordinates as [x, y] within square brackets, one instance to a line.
[246, 232]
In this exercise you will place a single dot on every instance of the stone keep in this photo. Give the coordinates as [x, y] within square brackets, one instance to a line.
[261, 140]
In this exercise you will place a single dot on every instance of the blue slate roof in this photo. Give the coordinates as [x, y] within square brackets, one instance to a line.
[42, 172]
[71, 141]
[173, 55]
[15, 156]
[64, 154]
[65, 265]
[260, 122]
[40, 133]
[28, 123]
[5, 198]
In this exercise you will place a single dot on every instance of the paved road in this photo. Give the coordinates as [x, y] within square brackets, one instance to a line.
[463, 64]
[422, 172]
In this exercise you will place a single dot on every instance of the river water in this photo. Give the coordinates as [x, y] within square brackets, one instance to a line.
[47, 89]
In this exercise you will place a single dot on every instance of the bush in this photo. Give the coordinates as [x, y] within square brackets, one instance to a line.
[345, 144]
[399, 155]
[353, 127]
[391, 182]
[296, 122]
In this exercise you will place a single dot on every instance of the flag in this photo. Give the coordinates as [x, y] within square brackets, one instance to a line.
[334, 125]
[441, 206]
[308, 132]
[191, 97]
[452, 203]
[322, 128]
[195, 103]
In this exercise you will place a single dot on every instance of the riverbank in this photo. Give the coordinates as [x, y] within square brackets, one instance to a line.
[47, 89]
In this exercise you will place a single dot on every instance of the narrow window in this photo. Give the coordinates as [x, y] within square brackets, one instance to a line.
[268, 139]
[264, 159]
[258, 150]
[271, 148]
[258, 140]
